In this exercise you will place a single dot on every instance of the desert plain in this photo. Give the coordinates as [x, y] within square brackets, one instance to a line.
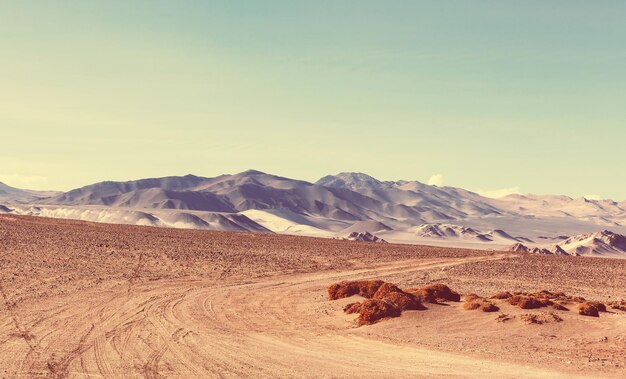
[86, 300]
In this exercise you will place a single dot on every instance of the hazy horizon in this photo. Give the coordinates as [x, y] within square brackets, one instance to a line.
[488, 96]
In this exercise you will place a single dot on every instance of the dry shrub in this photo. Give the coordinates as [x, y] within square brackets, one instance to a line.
[544, 293]
[471, 305]
[352, 308]
[480, 303]
[488, 306]
[549, 295]
[374, 310]
[435, 293]
[546, 297]
[619, 305]
[524, 302]
[501, 295]
[404, 301]
[543, 302]
[365, 288]
[471, 296]
[386, 289]
[529, 303]
[588, 309]
[513, 300]
[559, 307]
[599, 306]
[540, 318]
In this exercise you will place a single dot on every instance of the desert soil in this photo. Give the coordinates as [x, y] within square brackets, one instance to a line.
[94, 300]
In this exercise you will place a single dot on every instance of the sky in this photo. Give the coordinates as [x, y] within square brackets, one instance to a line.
[493, 96]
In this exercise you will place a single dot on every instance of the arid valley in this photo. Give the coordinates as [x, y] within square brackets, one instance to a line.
[312, 189]
[98, 300]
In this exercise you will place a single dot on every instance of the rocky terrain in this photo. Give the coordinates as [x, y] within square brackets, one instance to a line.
[98, 300]
[362, 237]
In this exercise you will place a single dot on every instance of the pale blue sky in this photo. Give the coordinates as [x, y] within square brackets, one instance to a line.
[489, 94]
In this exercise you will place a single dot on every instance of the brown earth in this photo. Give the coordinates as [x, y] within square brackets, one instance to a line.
[95, 300]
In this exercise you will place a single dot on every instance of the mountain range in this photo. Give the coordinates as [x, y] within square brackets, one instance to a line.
[335, 205]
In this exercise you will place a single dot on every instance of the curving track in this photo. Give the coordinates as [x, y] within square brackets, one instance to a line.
[276, 327]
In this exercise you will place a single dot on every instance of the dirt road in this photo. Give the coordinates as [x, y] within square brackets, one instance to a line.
[278, 327]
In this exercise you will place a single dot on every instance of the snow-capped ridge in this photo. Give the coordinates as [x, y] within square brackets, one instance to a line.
[450, 231]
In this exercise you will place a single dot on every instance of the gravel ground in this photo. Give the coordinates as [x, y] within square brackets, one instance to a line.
[44, 257]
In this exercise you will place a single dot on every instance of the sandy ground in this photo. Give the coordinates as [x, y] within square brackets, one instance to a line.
[94, 300]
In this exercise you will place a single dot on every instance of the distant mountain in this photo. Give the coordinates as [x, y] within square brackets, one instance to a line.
[599, 244]
[356, 197]
[429, 203]
[345, 197]
[607, 211]
[335, 205]
[521, 248]
[449, 231]
[596, 244]
[15, 195]
[352, 180]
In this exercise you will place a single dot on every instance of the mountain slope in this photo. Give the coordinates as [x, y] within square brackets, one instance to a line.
[342, 203]
[596, 244]
[599, 244]
[10, 194]
[253, 190]
[448, 231]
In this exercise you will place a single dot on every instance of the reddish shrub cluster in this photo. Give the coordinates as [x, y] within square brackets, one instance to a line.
[599, 306]
[588, 309]
[471, 305]
[352, 308]
[558, 296]
[543, 296]
[471, 296]
[404, 301]
[502, 295]
[435, 293]
[473, 302]
[559, 307]
[384, 299]
[555, 300]
[373, 310]
[386, 289]
[365, 288]
[524, 302]
[535, 300]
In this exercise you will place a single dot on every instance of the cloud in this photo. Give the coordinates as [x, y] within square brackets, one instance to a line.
[22, 181]
[436, 180]
[498, 193]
